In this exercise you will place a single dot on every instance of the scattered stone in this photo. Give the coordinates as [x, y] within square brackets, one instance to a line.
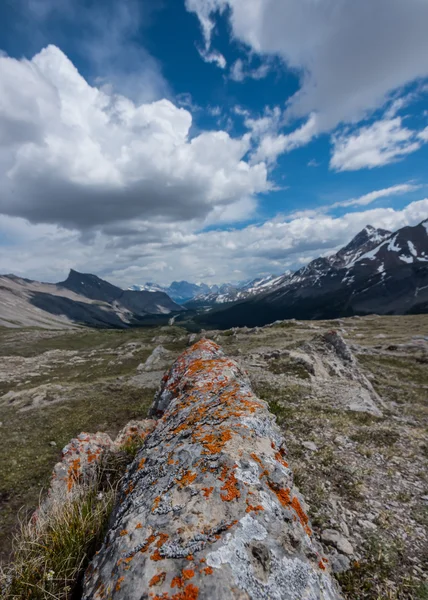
[331, 536]
[53, 444]
[156, 360]
[344, 527]
[310, 446]
[339, 563]
[367, 524]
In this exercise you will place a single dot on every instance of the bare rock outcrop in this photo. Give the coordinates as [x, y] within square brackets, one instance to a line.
[208, 509]
[335, 367]
[80, 459]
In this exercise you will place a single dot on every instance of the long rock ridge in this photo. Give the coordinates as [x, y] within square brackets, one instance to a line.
[208, 509]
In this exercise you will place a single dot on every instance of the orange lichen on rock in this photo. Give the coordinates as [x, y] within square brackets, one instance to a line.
[92, 456]
[321, 565]
[303, 517]
[73, 473]
[231, 489]
[280, 459]
[157, 579]
[207, 491]
[283, 494]
[190, 592]
[123, 532]
[214, 443]
[179, 582]
[208, 570]
[187, 478]
[188, 573]
[162, 539]
[141, 463]
[256, 458]
[224, 472]
[118, 583]
[257, 508]
[138, 526]
[148, 543]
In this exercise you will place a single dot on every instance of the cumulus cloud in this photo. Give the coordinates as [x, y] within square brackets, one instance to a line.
[349, 55]
[179, 251]
[80, 157]
[379, 144]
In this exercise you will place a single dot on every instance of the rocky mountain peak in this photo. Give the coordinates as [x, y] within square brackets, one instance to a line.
[367, 239]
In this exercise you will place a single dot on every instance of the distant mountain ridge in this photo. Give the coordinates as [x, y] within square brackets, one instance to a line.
[82, 298]
[377, 272]
[198, 295]
[231, 293]
[179, 291]
[184, 291]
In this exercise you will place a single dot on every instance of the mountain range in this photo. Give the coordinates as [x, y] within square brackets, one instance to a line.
[202, 295]
[183, 291]
[81, 299]
[377, 272]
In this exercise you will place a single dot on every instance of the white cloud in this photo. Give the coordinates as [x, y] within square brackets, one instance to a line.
[272, 145]
[239, 71]
[366, 199]
[348, 54]
[423, 135]
[163, 252]
[80, 157]
[212, 56]
[379, 144]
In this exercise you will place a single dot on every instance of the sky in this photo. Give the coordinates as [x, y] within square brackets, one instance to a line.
[206, 140]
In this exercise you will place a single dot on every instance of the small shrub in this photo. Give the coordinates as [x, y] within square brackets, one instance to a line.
[52, 551]
[383, 574]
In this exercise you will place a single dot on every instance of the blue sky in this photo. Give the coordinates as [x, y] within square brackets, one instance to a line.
[206, 140]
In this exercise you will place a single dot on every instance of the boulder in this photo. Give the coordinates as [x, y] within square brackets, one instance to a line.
[208, 509]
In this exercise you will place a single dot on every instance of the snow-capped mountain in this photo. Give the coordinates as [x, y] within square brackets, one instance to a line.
[179, 291]
[231, 293]
[148, 287]
[377, 272]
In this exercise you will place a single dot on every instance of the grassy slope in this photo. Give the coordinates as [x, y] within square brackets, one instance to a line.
[96, 401]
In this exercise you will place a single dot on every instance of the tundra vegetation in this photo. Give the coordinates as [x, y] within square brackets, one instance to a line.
[362, 471]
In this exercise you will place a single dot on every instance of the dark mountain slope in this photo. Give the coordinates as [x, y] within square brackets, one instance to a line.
[139, 303]
[91, 286]
[377, 272]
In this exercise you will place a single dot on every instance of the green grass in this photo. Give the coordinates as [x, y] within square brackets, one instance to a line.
[383, 574]
[52, 552]
[26, 457]
[381, 436]
[291, 367]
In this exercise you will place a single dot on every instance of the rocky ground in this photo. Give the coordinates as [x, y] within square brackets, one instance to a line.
[355, 417]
